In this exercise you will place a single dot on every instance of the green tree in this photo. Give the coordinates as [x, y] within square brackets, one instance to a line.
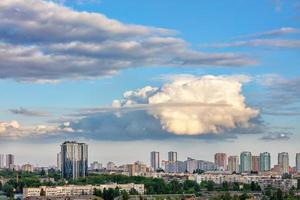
[97, 193]
[125, 195]
[210, 185]
[9, 190]
[133, 191]
[225, 186]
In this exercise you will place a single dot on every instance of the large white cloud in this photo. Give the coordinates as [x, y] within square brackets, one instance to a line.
[40, 40]
[192, 106]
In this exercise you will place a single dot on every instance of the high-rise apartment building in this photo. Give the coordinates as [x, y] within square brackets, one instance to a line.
[246, 162]
[74, 157]
[2, 163]
[221, 160]
[298, 162]
[155, 160]
[255, 163]
[283, 162]
[191, 165]
[233, 164]
[265, 161]
[10, 161]
[172, 156]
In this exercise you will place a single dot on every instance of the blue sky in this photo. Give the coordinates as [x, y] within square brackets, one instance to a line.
[61, 72]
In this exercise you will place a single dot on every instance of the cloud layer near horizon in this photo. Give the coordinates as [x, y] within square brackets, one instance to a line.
[44, 41]
[207, 107]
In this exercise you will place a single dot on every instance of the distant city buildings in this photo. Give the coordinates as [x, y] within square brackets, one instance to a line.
[110, 166]
[233, 164]
[137, 169]
[27, 168]
[265, 162]
[245, 162]
[73, 163]
[283, 162]
[96, 166]
[155, 160]
[74, 157]
[221, 161]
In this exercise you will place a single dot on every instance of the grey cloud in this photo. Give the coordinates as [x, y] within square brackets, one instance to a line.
[274, 43]
[27, 112]
[139, 125]
[45, 41]
[280, 95]
[274, 136]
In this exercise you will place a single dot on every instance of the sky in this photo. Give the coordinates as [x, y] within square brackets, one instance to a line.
[130, 77]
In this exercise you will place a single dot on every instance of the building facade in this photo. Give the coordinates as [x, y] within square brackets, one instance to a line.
[283, 162]
[172, 156]
[298, 162]
[155, 160]
[255, 163]
[2, 163]
[78, 190]
[246, 162]
[74, 157]
[10, 161]
[58, 161]
[221, 160]
[233, 164]
[265, 161]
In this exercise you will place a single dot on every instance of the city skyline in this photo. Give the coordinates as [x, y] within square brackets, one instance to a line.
[246, 161]
[129, 78]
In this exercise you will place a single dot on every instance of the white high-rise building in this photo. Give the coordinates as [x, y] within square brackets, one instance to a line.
[2, 161]
[283, 162]
[233, 164]
[191, 165]
[298, 162]
[155, 160]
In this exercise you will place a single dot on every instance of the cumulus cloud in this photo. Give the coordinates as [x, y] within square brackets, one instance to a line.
[27, 112]
[201, 107]
[45, 41]
[196, 106]
[13, 130]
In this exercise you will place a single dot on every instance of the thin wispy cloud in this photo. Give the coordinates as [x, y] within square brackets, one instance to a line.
[277, 136]
[270, 43]
[272, 33]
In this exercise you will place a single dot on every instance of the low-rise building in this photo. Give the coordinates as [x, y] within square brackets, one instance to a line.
[75, 190]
